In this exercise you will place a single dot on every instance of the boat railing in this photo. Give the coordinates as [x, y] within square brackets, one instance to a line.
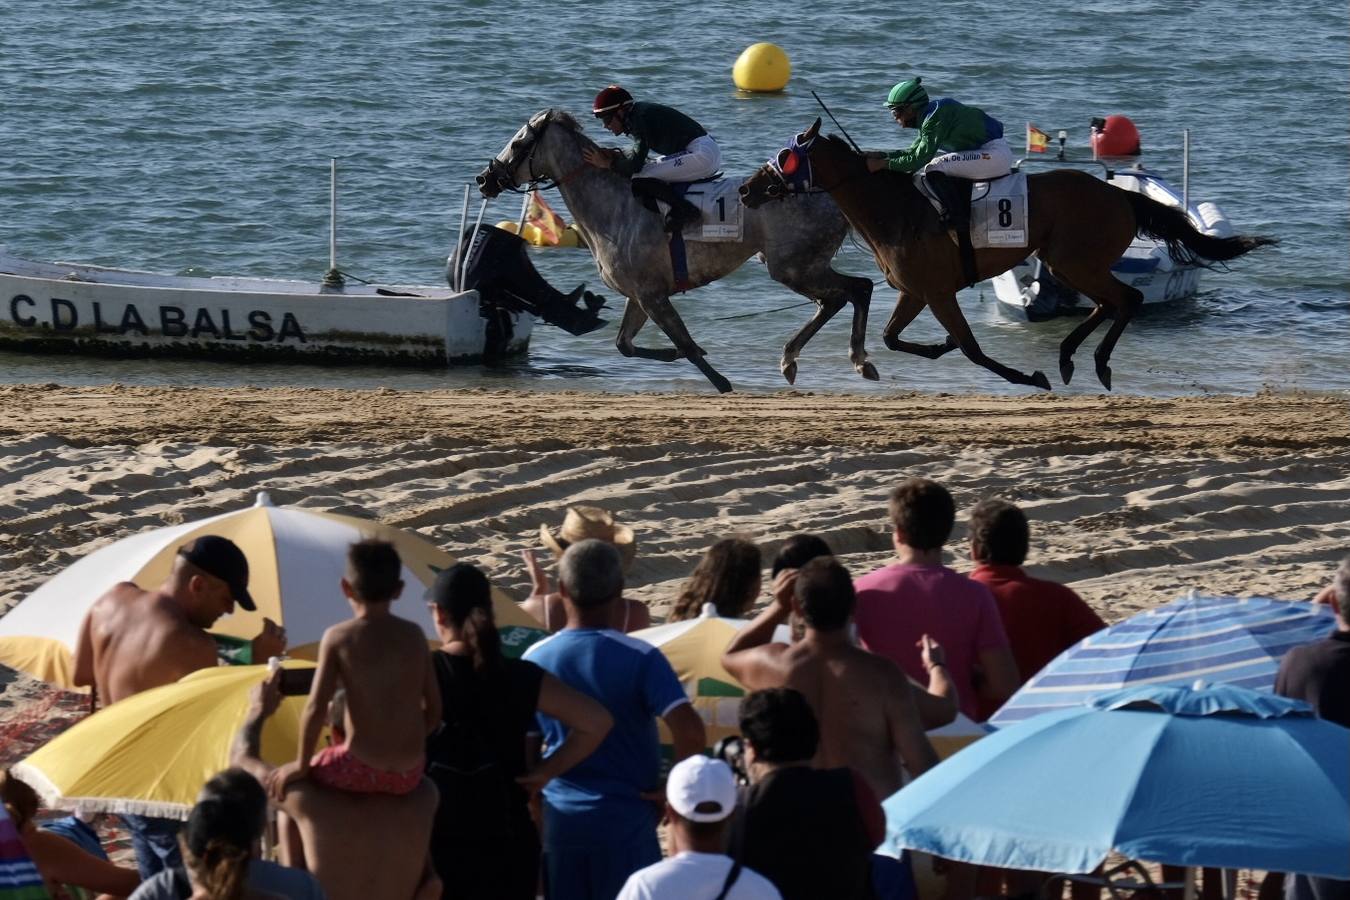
[1108, 172]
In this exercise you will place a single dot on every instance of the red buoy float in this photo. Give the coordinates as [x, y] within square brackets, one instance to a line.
[1116, 137]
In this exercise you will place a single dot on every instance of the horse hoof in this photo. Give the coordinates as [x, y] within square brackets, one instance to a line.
[723, 386]
[1066, 371]
[868, 371]
[1104, 375]
[790, 372]
[1039, 380]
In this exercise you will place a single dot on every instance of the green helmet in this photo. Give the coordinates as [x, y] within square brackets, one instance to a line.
[907, 93]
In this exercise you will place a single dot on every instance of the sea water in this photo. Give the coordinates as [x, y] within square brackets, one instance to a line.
[195, 138]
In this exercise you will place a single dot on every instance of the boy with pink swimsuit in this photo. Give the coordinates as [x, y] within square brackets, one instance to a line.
[382, 663]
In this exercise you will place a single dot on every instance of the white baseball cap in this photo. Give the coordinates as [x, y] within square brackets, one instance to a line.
[699, 780]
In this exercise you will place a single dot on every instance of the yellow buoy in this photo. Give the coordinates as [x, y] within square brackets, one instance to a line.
[507, 226]
[762, 67]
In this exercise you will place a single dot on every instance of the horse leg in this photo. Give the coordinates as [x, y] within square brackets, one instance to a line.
[663, 313]
[1069, 346]
[634, 317]
[1124, 315]
[825, 310]
[907, 306]
[1107, 292]
[830, 293]
[948, 312]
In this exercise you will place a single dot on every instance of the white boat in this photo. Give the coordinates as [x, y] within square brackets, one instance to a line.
[1028, 291]
[76, 308]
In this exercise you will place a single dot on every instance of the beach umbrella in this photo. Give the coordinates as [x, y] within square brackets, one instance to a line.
[694, 648]
[1218, 639]
[1218, 776]
[296, 559]
[151, 753]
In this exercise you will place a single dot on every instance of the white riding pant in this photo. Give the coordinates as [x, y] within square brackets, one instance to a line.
[991, 160]
[700, 159]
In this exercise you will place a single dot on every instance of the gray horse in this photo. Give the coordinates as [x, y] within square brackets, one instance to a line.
[797, 241]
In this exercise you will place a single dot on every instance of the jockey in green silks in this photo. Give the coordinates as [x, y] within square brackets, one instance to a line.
[969, 141]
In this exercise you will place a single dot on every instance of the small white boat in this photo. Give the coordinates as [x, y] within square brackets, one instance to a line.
[75, 308]
[1028, 291]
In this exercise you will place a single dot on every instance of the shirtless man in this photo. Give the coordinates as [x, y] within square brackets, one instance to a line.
[383, 664]
[359, 846]
[868, 719]
[133, 640]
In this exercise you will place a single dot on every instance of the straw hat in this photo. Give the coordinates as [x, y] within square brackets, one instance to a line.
[584, 522]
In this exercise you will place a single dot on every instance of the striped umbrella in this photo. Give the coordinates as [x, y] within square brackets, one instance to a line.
[296, 559]
[1225, 640]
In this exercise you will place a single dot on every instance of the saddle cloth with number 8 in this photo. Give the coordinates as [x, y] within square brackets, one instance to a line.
[998, 212]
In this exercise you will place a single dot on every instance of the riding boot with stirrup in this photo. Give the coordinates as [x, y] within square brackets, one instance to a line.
[955, 214]
[682, 212]
[955, 196]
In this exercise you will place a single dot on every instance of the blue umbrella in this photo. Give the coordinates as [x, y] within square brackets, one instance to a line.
[1218, 639]
[1217, 776]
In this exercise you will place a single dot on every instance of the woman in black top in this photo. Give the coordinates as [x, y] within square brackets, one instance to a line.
[484, 844]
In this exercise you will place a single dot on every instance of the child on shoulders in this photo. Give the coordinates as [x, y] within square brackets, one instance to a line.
[382, 663]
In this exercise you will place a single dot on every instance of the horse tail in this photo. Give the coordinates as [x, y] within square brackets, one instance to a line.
[1187, 245]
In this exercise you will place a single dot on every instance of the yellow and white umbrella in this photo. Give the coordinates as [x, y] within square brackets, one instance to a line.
[151, 753]
[694, 648]
[296, 559]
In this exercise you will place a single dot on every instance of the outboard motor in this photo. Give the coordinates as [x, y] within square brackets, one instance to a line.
[506, 280]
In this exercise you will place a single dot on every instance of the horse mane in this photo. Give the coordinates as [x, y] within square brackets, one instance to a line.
[915, 213]
[563, 117]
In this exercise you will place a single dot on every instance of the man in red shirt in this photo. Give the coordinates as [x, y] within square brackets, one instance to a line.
[899, 604]
[1042, 618]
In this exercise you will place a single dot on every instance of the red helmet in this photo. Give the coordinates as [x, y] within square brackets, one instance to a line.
[610, 99]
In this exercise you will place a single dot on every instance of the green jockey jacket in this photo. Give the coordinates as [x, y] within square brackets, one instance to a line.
[656, 129]
[945, 126]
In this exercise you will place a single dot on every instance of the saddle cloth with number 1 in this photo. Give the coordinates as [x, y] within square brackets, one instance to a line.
[721, 206]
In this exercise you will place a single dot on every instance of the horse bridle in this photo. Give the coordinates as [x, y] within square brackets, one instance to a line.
[788, 183]
[502, 178]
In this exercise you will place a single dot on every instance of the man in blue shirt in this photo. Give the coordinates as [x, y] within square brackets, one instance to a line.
[600, 817]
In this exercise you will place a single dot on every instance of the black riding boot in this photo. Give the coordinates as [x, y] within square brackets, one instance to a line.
[955, 196]
[682, 212]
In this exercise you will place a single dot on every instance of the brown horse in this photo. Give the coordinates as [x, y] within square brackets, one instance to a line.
[1078, 224]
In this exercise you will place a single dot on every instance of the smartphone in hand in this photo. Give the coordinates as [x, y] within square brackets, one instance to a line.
[296, 682]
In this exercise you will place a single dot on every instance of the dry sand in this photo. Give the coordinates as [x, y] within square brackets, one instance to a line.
[1133, 500]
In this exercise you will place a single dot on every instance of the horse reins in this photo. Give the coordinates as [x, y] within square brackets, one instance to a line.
[506, 181]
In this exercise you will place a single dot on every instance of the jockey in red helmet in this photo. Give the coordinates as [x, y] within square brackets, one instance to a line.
[686, 152]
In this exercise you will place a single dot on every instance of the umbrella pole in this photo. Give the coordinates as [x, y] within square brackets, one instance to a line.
[1188, 893]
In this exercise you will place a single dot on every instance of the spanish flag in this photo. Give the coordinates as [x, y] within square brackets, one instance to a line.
[549, 223]
[1037, 141]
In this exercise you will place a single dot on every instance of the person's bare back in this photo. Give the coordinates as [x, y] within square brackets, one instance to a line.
[867, 716]
[383, 664]
[133, 640]
[364, 846]
[864, 703]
